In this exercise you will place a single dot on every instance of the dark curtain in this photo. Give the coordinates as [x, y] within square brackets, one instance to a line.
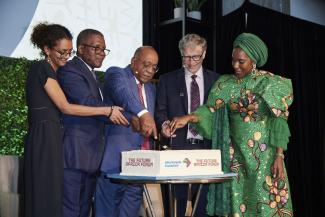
[296, 51]
[227, 28]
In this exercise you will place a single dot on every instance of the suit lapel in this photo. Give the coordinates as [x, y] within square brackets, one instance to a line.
[132, 83]
[84, 70]
[182, 89]
[94, 85]
[147, 88]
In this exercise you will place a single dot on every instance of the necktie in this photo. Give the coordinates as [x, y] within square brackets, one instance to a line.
[195, 100]
[95, 77]
[146, 144]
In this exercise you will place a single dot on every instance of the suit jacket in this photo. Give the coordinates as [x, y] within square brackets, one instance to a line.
[172, 101]
[121, 89]
[83, 136]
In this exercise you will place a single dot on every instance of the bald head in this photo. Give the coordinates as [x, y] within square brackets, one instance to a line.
[140, 50]
[144, 63]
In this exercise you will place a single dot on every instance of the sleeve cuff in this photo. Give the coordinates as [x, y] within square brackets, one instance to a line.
[279, 133]
[142, 112]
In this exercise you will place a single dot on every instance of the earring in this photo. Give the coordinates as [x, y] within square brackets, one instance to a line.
[254, 67]
[48, 59]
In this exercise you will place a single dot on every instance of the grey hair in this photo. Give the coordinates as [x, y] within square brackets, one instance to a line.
[192, 40]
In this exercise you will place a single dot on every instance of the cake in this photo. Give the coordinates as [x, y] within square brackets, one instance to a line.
[171, 163]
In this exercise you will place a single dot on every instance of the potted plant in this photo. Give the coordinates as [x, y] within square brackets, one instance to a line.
[194, 7]
[178, 10]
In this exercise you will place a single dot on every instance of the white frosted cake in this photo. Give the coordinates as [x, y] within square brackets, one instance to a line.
[171, 163]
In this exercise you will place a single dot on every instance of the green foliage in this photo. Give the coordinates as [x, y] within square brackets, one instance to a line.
[195, 5]
[13, 109]
[178, 3]
[100, 76]
[192, 5]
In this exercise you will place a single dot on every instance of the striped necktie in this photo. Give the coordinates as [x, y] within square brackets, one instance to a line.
[146, 144]
[195, 100]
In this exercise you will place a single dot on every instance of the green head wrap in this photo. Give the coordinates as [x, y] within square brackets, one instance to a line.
[253, 46]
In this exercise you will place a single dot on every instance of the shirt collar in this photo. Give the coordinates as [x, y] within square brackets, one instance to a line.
[90, 69]
[199, 73]
[137, 81]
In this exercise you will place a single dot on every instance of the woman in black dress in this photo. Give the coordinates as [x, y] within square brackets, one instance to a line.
[45, 101]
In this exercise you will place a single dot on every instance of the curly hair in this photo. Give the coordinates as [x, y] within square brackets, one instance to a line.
[45, 34]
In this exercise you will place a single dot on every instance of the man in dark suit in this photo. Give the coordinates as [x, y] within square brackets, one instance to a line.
[179, 93]
[131, 89]
[83, 139]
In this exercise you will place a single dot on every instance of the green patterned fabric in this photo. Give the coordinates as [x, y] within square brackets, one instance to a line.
[253, 113]
[253, 46]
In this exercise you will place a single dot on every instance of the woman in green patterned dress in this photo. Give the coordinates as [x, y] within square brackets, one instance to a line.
[249, 111]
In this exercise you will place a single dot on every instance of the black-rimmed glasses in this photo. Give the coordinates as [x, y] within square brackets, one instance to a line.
[98, 50]
[194, 57]
[65, 54]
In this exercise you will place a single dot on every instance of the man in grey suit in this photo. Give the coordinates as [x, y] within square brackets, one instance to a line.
[179, 93]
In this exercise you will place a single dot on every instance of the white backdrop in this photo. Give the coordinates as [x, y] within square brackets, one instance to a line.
[120, 22]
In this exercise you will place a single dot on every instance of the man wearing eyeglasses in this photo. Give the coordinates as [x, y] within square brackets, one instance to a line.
[83, 136]
[179, 93]
[131, 89]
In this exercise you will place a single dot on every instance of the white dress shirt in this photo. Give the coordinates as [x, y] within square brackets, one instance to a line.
[144, 99]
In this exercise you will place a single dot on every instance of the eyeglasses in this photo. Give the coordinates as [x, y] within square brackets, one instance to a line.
[65, 54]
[194, 58]
[98, 50]
[149, 66]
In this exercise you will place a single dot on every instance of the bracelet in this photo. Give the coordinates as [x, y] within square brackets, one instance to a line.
[280, 155]
[110, 113]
